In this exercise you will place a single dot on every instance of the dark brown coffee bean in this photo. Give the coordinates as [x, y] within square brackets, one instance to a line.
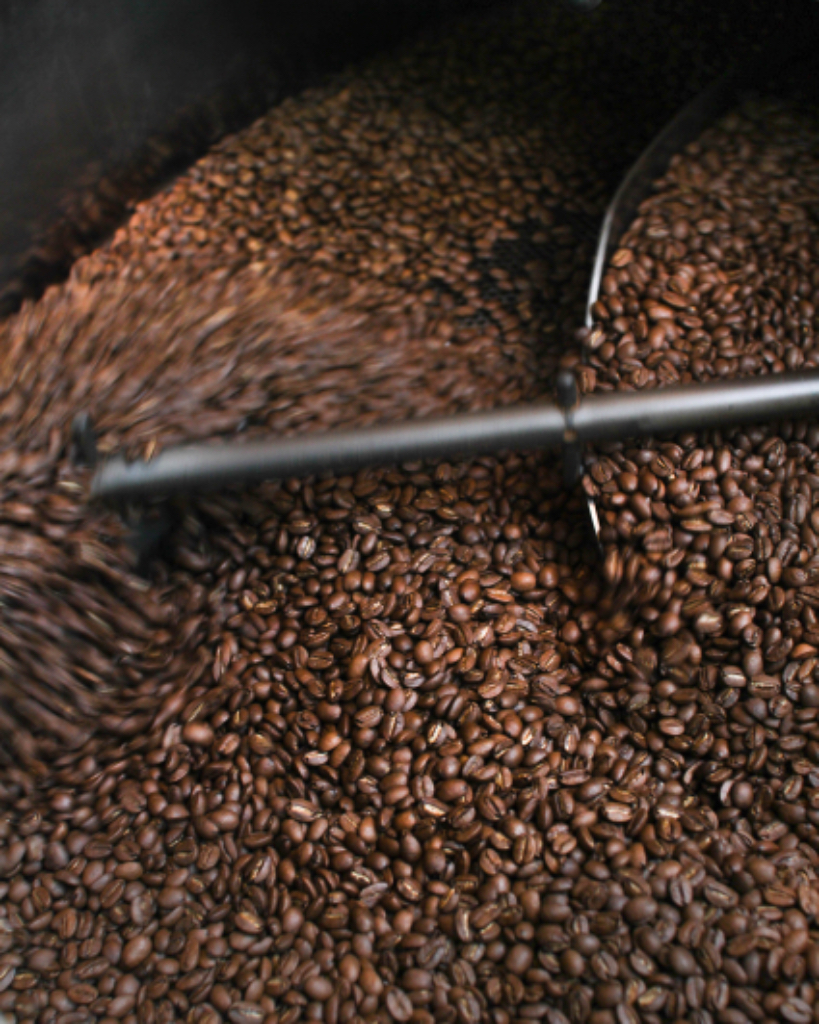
[136, 951]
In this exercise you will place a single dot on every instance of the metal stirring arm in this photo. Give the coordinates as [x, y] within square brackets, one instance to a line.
[600, 417]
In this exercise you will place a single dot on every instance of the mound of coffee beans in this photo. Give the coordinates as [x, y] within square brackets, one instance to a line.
[397, 745]
[716, 277]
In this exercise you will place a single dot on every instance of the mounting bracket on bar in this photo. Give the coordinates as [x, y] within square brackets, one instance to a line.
[567, 399]
[148, 522]
[84, 440]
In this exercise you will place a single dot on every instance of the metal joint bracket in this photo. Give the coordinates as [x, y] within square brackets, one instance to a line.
[568, 401]
[84, 440]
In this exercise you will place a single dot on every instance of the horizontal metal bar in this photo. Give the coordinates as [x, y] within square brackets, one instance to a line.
[621, 414]
[218, 465]
[601, 417]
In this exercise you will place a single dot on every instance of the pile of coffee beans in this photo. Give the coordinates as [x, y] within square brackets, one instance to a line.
[717, 275]
[397, 745]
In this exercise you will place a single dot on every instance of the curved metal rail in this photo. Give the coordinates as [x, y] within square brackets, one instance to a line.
[685, 127]
[782, 53]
